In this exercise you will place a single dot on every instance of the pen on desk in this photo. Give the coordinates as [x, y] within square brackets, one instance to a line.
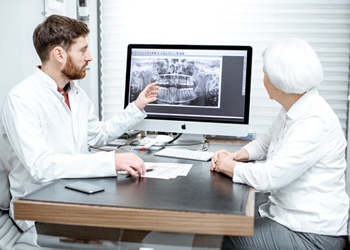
[141, 148]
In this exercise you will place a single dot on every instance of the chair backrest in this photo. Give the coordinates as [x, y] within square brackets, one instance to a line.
[5, 196]
[5, 167]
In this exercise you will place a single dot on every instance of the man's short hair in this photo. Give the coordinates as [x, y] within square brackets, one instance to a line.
[57, 31]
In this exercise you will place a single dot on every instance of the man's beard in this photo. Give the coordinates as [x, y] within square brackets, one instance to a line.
[72, 72]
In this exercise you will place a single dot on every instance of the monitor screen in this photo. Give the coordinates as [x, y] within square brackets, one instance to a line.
[204, 89]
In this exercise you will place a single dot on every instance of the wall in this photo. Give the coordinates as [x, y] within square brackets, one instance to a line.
[18, 57]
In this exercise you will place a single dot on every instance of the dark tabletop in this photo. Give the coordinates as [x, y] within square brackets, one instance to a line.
[200, 191]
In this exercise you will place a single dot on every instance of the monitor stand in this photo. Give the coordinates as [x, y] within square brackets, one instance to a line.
[190, 141]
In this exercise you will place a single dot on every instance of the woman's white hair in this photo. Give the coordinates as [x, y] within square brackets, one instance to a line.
[292, 66]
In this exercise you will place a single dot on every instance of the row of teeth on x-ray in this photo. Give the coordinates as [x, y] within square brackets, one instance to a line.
[176, 88]
[174, 95]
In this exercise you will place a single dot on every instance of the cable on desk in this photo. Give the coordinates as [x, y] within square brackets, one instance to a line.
[100, 148]
[114, 147]
[129, 144]
[205, 145]
[175, 138]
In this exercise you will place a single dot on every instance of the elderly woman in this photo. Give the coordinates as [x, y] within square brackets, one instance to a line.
[300, 160]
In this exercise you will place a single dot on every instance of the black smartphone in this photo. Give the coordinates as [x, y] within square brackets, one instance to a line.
[84, 187]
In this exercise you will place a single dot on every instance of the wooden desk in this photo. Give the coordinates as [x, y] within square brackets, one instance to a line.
[202, 202]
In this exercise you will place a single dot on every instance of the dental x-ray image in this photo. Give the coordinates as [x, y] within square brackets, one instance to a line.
[192, 81]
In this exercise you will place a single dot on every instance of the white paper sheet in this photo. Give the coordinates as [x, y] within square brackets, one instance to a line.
[164, 170]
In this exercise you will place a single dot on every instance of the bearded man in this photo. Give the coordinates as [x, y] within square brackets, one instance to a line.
[48, 122]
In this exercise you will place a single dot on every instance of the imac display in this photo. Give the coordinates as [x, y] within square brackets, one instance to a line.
[204, 89]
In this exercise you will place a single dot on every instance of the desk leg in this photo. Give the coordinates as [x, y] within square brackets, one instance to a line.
[134, 235]
[208, 241]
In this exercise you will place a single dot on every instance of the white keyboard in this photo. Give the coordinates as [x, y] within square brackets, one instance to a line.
[185, 154]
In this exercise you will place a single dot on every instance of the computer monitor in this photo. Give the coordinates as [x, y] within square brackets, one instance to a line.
[204, 89]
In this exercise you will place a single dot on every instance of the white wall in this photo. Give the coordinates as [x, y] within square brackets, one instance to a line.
[18, 57]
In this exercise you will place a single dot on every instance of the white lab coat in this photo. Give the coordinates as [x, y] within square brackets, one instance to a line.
[43, 140]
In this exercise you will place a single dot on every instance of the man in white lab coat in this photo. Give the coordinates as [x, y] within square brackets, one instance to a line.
[48, 122]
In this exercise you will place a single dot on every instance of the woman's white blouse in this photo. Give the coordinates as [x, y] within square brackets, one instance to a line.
[303, 165]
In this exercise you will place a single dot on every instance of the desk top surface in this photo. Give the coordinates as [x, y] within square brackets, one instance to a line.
[200, 191]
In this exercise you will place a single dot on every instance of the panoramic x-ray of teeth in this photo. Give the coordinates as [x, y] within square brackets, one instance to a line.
[182, 81]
